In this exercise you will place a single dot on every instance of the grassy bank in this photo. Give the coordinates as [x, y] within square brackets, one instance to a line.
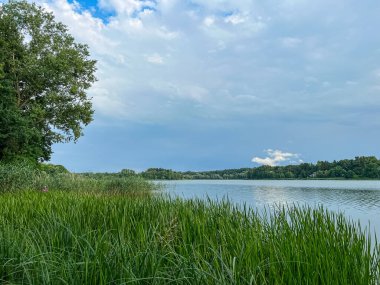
[24, 176]
[80, 238]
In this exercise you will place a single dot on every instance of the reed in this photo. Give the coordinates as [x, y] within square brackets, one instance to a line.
[26, 176]
[76, 237]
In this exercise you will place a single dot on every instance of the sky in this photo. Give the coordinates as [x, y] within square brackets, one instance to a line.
[216, 84]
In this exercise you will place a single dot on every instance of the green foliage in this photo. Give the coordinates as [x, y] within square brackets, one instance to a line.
[160, 173]
[18, 137]
[53, 169]
[21, 175]
[127, 172]
[75, 238]
[358, 168]
[44, 75]
[25, 175]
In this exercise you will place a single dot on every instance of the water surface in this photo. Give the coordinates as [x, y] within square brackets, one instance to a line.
[358, 200]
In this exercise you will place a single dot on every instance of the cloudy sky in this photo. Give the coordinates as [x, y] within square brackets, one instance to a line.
[214, 84]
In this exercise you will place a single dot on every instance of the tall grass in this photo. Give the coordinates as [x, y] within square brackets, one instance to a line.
[76, 238]
[24, 176]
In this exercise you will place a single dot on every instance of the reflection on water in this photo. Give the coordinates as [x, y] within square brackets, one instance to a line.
[358, 200]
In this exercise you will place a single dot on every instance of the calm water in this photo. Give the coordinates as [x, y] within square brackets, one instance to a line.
[358, 200]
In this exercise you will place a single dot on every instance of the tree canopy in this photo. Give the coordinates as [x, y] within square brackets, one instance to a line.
[359, 168]
[44, 78]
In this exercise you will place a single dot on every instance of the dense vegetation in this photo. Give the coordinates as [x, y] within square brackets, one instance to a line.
[358, 168]
[44, 76]
[27, 176]
[75, 238]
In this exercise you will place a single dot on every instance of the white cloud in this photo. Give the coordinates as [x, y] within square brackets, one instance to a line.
[209, 21]
[104, 100]
[155, 59]
[128, 7]
[165, 33]
[214, 52]
[275, 157]
[235, 19]
[136, 23]
[175, 92]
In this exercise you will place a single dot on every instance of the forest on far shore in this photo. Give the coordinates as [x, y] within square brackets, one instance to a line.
[358, 168]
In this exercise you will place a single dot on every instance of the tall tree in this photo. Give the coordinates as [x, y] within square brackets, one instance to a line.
[44, 80]
[18, 136]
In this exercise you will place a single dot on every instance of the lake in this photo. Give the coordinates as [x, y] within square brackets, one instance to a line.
[358, 200]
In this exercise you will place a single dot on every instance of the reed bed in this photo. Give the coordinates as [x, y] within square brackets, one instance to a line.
[25, 176]
[77, 237]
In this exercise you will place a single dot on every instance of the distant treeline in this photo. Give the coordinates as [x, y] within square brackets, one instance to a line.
[358, 168]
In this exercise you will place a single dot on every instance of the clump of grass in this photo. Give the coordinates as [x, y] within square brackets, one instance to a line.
[75, 238]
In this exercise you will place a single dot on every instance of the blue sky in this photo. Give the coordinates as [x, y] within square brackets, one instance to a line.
[213, 84]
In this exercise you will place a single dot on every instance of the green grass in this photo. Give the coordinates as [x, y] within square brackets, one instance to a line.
[83, 237]
[24, 176]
